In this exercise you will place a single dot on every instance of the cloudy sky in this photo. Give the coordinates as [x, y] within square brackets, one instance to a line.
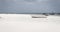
[30, 6]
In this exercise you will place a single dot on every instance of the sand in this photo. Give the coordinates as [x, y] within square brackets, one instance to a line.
[25, 23]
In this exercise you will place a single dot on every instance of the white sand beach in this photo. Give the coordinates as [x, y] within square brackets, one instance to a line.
[25, 23]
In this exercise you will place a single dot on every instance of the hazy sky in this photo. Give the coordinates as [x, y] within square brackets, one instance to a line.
[30, 6]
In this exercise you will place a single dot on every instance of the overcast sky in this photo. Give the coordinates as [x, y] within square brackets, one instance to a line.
[30, 6]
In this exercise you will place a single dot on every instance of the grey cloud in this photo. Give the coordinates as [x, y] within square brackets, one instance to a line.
[29, 6]
[30, 0]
